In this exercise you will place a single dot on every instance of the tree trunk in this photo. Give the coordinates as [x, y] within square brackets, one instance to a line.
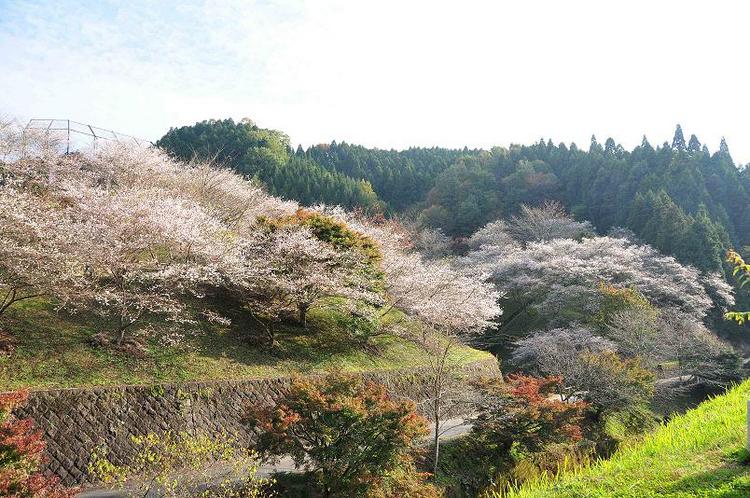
[302, 308]
[121, 328]
[436, 442]
[436, 417]
[270, 337]
[120, 335]
[270, 333]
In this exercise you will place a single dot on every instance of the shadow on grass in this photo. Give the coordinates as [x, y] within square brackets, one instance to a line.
[732, 480]
[326, 339]
[54, 349]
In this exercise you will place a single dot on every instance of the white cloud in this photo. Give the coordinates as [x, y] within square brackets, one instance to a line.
[386, 73]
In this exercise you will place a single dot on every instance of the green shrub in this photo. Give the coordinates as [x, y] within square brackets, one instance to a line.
[161, 463]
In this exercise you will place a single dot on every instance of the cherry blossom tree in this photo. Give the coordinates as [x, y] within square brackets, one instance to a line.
[127, 231]
[35, 244]
[236, 201]
[305, 270]
[533, 224]
[35, 238]
[561, 275]
[454, 301]
[589, 367]
[661, 337]
[431, 243]
[142, 252]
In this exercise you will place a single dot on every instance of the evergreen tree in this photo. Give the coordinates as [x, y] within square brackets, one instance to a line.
[594, 147]
[264, 155]
[723, 147]
[645, 143]
[609, 146]
[694, 145]
[704, 244]
[684, 204]
[678, 142]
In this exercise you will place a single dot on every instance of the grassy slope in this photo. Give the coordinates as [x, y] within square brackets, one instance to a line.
[53, 351]
[697, 454]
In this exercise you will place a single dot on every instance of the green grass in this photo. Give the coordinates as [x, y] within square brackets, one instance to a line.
[53, 349]
[700, 453]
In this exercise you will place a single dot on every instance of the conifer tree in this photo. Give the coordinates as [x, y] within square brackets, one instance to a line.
[694, 145]
[609, 146]
[678, 142]
[645, 143]
[723, 147]
[594, 145]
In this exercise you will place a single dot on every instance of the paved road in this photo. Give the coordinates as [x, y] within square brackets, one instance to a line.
[450, 428]
[453, 427]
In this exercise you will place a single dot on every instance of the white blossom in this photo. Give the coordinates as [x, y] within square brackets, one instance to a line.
[564, 270]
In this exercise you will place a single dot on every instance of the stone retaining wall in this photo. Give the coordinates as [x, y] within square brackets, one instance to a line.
[77, 421]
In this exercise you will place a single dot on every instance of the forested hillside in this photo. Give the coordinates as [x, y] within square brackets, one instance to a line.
[401, 178]
[122, 264]
[678, 197]
[681, 199]
[266, 156]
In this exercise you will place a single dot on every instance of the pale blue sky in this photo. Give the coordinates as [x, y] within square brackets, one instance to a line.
[387, 73]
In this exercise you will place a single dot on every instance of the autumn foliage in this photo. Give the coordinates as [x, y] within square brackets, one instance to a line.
[523, 416]
[349, 435]
[741, 272]
[21, 453]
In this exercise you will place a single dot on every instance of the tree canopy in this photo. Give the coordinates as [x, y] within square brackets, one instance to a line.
[677, 196]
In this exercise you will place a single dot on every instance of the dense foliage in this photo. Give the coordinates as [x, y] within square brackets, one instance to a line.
[526, 413]
[133, 235]
[682, 200]
[350, 436]
[266, 155]
[21, 454]
[614, 318]
[518, 422]
[678, 197]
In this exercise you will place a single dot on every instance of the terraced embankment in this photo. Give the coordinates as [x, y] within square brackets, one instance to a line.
[77, 421]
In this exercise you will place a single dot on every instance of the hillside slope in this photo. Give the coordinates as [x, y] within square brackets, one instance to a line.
[700, 453]
[54, 349]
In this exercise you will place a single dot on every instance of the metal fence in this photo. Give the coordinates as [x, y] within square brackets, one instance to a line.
[74, 134]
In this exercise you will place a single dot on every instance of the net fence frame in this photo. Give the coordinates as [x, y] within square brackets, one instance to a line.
[70, 129]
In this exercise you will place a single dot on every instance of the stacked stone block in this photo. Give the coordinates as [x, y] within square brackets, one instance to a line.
[77, 422]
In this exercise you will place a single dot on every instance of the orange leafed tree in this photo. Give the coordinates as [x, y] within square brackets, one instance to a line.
[353, 439]
[21, 454]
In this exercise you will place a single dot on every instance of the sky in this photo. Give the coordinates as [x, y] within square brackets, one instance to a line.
[387, 73]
